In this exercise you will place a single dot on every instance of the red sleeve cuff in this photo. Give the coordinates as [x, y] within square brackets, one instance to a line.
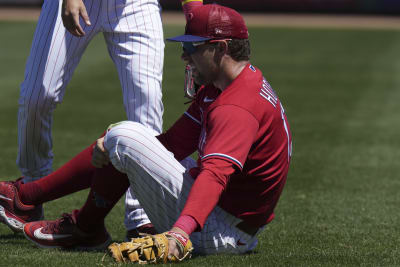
[187, 223]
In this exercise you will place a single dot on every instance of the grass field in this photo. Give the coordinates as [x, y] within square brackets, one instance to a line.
[341, 91]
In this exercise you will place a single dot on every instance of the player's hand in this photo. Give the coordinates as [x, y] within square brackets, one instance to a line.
[100, 155]
[173, 248]
[71, 11]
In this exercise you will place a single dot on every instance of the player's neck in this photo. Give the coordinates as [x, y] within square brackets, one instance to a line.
[230, 70]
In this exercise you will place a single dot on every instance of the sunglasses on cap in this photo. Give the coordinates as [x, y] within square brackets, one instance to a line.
[190, 47]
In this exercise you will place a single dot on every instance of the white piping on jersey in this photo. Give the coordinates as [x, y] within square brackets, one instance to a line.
[193, 118]
[224, 156]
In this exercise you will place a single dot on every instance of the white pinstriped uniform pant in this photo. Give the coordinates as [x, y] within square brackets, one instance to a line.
[162, 185]
[133, 32]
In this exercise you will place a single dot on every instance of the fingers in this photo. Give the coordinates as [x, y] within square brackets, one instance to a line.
[85, 16]
[72, 10]
[173, 250]
[99, 156]
[71, 23]
[76, 27]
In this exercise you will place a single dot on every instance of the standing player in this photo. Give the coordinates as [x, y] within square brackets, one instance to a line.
[133, 33]
[237, 124]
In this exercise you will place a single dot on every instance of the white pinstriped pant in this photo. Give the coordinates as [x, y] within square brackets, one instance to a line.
[162, 185]
[133, 32]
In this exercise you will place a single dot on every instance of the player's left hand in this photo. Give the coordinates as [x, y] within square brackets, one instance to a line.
[100, 156]
[161, 248]
[71, 11]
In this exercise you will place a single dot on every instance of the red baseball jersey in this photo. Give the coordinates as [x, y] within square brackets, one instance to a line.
[244, 144]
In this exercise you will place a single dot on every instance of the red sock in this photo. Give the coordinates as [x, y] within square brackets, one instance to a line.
[107, 188]
[73, 176]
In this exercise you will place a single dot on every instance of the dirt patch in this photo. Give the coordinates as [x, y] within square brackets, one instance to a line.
[19, 14]
[273, 20]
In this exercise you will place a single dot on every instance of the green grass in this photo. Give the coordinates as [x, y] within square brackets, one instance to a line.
[341, 91]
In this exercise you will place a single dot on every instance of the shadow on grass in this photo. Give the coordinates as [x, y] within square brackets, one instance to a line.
[12, 239]
[12, 236]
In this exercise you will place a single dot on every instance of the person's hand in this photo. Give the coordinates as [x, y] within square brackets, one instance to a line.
[70, 13]
[173, 248]
[100, 156]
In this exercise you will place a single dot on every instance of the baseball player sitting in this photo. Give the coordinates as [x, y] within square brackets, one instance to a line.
[220, 203]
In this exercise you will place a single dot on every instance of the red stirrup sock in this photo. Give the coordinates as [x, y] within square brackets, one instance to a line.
[108, 186]
[73, 176]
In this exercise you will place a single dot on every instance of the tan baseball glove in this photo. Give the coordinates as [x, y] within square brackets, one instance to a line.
[152, 249]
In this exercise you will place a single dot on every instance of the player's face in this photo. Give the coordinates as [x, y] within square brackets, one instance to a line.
[202, 59]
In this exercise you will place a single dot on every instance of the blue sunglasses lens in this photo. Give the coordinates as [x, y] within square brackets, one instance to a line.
[188, 47]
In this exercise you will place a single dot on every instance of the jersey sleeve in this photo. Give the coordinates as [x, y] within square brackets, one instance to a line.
[230, 133]
[182, 138]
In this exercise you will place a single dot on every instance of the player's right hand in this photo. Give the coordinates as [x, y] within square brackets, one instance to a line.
[71, 11]
[100, 156]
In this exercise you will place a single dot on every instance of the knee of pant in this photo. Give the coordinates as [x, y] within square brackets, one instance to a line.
[126, 134]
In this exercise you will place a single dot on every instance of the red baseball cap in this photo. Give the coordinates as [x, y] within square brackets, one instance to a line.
[213, 21]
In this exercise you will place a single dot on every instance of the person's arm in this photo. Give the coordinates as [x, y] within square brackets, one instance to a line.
[71, 11]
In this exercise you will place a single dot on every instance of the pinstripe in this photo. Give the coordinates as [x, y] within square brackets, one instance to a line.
[147, 63]
[140, 76]
[126, 91]
[158, 56]
[140, 61]
[154, 67]
[126, 83]
[132, 68]
[120, 50]
[160, 45]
